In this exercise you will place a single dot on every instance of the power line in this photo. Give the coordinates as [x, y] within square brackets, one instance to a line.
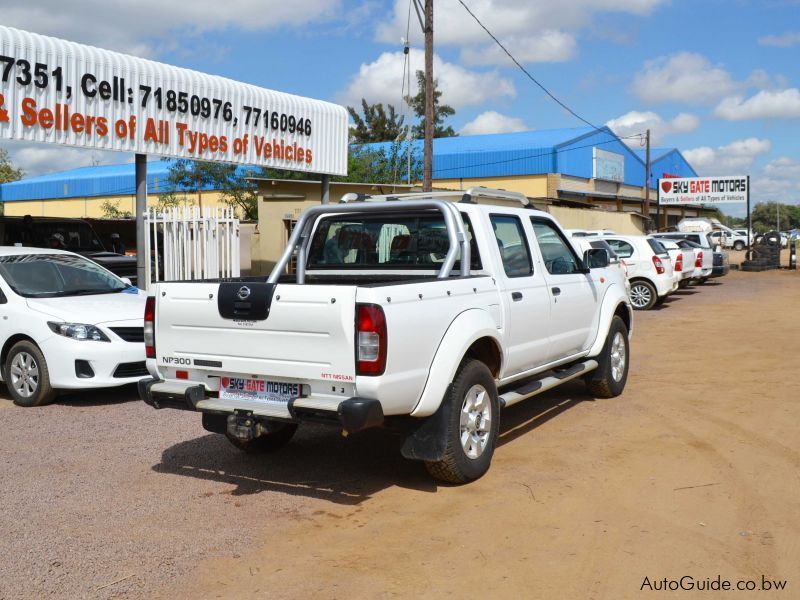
[524, 70]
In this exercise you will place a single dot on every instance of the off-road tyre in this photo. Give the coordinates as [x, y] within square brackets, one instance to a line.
[456, 466]
[269, 442]
[44, 393]
[602, 383]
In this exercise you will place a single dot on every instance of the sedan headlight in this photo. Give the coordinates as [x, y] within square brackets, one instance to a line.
[78, 331]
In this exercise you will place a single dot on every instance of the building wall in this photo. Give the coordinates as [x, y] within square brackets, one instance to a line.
[533, 186]
[92, 207]
[582, 218]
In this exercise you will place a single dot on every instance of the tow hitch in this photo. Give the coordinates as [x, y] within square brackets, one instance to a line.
[243, 426]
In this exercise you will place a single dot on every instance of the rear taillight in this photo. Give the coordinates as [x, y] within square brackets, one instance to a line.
[370, 339]
[658, 264]
[679, 263]
[150, 327]
[699, 261]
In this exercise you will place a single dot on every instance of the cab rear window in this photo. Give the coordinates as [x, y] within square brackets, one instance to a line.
[387, 241]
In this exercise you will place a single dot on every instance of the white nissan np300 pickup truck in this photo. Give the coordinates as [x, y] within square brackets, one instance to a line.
[433, 311]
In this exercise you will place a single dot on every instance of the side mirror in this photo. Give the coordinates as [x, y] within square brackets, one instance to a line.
[127, 281]
[596, 258]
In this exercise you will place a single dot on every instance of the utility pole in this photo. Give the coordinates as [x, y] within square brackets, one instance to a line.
[647, 183]
[427, 170]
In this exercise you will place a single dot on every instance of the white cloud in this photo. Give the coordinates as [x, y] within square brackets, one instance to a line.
[547, 46]
[141, 27]
[779, 180]
[635, 122]
[784, 168]
[736, 158]
[766, 104]
[493, 122]
[533, 30]
[381, 81]
[684, 77]
[784, 40]
[40, 159]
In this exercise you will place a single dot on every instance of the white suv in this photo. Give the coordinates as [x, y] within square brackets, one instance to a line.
[650, 270]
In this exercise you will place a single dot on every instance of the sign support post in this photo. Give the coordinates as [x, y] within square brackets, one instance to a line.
[658, 208]
[141, 209]
[749, 221]
[326, 189]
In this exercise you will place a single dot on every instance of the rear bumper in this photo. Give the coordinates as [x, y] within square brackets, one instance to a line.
[352, 415]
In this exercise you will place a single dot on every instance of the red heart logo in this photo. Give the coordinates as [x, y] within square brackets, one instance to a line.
[666, 186]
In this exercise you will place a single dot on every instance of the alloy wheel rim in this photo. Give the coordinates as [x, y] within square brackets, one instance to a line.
[475, 421]
[640, 296]
[24, 375]
[619, 355]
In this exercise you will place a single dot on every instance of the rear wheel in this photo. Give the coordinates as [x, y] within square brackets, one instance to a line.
[643, 294]
[276, 439]
[26, 375]
[608, 380]
[738, 245]
[472, 427]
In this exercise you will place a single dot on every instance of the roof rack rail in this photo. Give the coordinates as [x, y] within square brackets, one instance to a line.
[495, 194]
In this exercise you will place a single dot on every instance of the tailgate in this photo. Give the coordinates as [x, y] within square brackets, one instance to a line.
[309, 333]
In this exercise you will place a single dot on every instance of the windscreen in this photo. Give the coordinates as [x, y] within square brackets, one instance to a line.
[55, 275]
[385, 241]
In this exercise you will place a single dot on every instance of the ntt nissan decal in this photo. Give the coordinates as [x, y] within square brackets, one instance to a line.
[703, 190]
[55, 91]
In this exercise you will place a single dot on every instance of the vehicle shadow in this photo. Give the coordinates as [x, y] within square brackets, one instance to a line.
[317, 463]
[520, 419]
[100, 397]
[320, 463]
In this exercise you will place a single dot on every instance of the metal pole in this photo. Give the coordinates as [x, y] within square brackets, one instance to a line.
[141, 209]
[658, 205]
[326, 189]
[427, 183]
[749, 221]
[647, 183]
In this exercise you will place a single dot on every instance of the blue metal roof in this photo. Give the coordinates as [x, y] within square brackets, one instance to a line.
[566, 151]
[107, 180]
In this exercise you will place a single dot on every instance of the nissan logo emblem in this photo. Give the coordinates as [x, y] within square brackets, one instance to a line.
[243, 293]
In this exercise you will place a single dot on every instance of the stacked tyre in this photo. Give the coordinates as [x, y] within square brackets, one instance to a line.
[765, 253]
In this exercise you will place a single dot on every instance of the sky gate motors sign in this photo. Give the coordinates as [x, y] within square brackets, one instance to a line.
[60, 92]
[703, 190]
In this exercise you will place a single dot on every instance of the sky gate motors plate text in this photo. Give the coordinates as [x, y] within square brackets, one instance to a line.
[54, 91]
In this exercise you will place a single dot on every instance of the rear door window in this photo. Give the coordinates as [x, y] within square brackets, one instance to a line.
[622, 248]
[512, 245]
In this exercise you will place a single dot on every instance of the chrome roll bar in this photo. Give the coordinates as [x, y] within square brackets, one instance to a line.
[300, 238]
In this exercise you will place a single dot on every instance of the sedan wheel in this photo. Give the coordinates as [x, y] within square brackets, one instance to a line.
[26, 375]
[643, 295]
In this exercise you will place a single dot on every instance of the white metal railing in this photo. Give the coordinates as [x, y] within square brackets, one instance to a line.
[189, 243]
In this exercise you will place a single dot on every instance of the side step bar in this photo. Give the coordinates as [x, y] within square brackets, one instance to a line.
[537, 386]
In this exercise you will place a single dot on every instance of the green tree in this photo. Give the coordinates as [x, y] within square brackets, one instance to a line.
[378, 123]
[111, 210]
[765, 216]
[7, 170]
[196, 176]
[440, 111]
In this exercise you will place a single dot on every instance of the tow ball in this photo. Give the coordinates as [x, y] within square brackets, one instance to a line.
[243, 426]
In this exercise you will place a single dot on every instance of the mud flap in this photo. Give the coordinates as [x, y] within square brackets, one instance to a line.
[428, 438]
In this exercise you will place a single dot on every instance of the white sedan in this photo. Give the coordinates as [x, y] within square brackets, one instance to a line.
[66, 323]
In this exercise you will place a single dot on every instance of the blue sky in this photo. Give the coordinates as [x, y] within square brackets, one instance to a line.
[718, 80]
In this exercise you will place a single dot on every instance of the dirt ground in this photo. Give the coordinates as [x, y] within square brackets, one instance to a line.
[694, 471]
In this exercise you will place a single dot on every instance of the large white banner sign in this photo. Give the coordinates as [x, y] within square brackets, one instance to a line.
[60, 92]
[703, 190]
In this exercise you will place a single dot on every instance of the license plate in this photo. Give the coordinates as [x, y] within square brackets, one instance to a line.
[240, 388]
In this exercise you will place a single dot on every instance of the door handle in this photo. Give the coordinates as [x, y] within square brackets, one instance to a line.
[516, 296]
[556, 291]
